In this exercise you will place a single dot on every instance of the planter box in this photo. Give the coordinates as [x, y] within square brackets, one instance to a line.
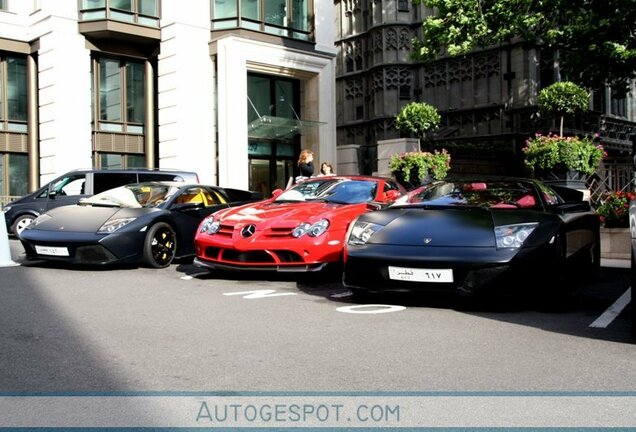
[615, 243]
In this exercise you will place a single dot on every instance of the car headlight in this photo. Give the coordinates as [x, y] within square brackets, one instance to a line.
[513, 236]
[314, 230]
[114, 224]
[210, 226]
[362, 232]
[6, 208]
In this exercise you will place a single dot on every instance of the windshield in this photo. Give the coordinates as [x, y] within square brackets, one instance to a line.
[133, 196]
[344, 191]
[492, 194]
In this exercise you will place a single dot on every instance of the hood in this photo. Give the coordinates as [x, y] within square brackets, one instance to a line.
[290, 215]
[419, 226]
[79, 218]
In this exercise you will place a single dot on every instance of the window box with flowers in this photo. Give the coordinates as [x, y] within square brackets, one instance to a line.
[412, 169]
[565, 159]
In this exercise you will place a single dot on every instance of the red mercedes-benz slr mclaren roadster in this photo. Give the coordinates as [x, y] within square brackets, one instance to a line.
[301, 229]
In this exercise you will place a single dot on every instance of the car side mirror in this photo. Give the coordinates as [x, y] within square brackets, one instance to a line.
[52, 194]
[276, 193]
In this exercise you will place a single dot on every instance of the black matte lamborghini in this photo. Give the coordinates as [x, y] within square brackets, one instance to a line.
[469, 235]
[150, 223]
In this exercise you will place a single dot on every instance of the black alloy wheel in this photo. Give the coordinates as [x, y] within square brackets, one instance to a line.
[160, 245]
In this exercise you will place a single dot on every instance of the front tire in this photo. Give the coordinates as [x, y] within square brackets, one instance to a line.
[160, 245]
[21, 223]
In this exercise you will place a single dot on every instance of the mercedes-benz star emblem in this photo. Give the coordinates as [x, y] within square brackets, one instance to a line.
[248, 231]
[427, 240]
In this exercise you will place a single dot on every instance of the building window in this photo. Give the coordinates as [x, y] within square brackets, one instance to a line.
[405, 92]
[403, 5]
[3, 4]
[120, 99]
[13, 94]
[144, 12]
[618, 105]
[14, 168]
[119, 161]
[288, 18]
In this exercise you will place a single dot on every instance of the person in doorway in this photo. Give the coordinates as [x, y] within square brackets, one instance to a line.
[306, 163]
[326, 169]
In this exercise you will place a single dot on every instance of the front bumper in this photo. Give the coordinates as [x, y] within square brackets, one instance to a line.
[474, 270]
[85, 248]
[305, 254]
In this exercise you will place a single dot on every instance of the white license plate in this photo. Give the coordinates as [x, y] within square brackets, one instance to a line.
[49, 250]
[421, 275]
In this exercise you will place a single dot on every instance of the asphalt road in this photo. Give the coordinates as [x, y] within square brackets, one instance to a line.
[185, 329]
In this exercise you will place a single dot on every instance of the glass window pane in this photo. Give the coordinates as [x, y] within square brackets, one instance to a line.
[1, 93]
[276, 12]
[301, 14]
[121, 4]
[151, 22]
[94, 15]
[249, 9]
[111, 161]
[148, 7]
[284, 99]
[3, 4]
[2, 191]
[135, 161]
[109, 90]
[93, 4]
[135, 101]
[18, 174]
[16, 89]
[224, 9]
[122, 16]
[258, 90]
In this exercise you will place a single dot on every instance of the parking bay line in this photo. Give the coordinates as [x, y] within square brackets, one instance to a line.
[612, 312]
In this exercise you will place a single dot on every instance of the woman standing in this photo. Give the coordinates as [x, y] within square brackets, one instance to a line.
[306, 163]
[326, 169]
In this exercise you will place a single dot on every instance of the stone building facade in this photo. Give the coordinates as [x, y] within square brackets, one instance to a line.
[487, 99]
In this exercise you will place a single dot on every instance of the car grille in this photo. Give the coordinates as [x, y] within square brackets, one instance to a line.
[96, 254]
[252, 257]
[275, 232]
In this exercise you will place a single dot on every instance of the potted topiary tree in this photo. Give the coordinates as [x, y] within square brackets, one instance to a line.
[417, 118]
[417, 167]
[562, 99]
[556, 158]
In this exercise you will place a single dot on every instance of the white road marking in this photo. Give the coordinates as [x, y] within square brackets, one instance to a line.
[375, 309]
[612, 312]
[341, 294]
[193, 275]
[259, 294]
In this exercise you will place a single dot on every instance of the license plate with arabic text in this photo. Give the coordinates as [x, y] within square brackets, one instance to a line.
[50, 250]
[421, 275]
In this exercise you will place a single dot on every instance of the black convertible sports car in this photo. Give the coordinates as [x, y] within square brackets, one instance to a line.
[473, 235]
[150, 223]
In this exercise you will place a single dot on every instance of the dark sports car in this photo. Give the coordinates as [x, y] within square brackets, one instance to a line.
[301, 230]
[470, 236]
[632, 230]
[150, 223]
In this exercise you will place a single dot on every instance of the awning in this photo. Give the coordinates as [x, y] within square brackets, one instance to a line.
[279, 127]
